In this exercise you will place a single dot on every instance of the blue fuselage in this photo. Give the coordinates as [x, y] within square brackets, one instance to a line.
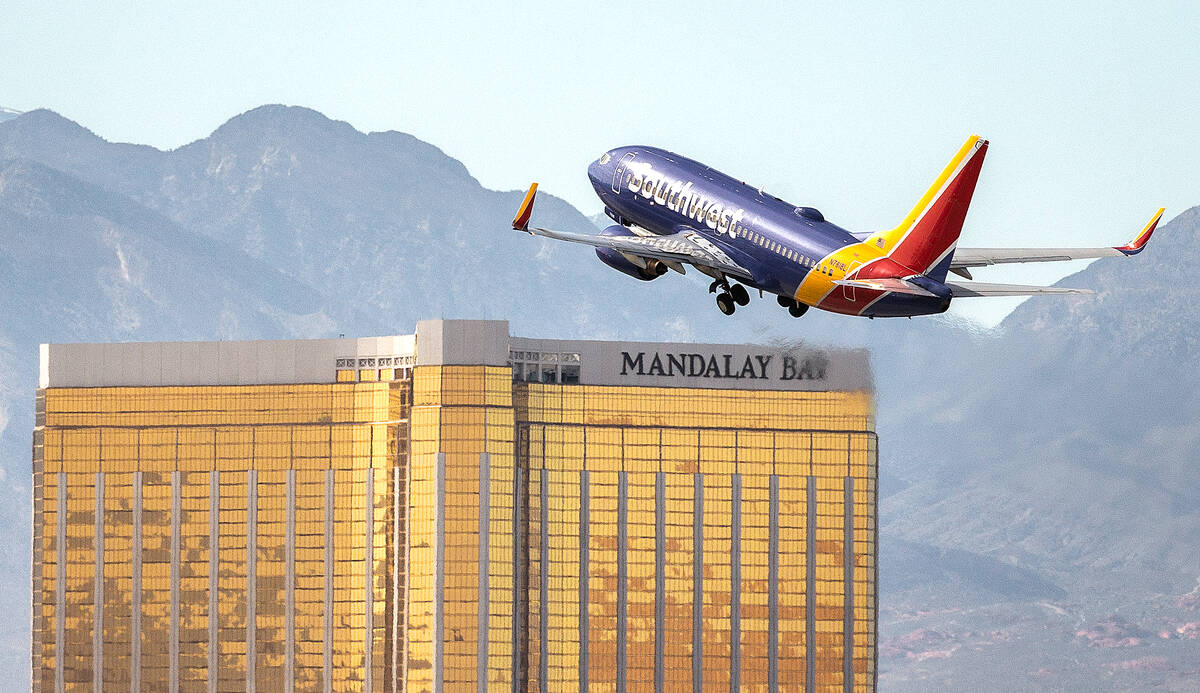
[780, 245]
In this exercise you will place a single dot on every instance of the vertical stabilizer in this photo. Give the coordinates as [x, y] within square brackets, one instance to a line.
[924, 242]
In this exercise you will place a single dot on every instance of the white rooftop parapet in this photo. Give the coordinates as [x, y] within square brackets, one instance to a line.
[458, 342]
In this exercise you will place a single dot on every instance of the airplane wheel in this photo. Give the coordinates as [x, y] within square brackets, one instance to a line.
[797, 309]
[725, 303]
[739, 294]
[784, 301]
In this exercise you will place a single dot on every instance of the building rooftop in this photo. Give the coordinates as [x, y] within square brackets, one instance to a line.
[456, 342]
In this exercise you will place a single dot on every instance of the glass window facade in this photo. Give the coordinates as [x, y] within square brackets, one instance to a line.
[730, 538]
[454, 527]
[219, 538]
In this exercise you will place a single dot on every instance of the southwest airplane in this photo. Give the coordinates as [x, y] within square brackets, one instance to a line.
[671, 211]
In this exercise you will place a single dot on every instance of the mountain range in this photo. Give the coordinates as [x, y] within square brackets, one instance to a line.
[1039, 481]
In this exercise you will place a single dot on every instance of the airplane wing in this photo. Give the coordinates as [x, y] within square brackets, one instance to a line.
[981, 257]
[958, 290]
[683, 246]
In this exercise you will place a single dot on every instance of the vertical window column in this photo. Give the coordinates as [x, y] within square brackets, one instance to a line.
[697, 582]
[399, 563]
[214, 555]
[622, 574]
[485, 526]
[135, 609]
[660, 580]
[176, 528]
[544, 585]
[520, 577]
[439, 570]
[289, 573]
[810, 588]
[735, 586]
[251, 577]
[369, 583]
[585, 539]
[773, 587]
[327, 644]
[60, 582]
[98, 589]
[848, 588]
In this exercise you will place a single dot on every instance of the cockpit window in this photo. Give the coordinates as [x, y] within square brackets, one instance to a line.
[605, 158]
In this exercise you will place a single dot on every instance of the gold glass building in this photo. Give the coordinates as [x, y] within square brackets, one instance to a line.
[458, 509]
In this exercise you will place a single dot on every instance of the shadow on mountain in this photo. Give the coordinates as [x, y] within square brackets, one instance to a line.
[907, 565]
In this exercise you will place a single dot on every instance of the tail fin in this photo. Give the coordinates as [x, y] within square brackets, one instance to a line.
[924, 242]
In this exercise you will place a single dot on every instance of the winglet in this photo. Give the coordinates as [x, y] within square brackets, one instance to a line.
[521, 222]
[1137, 244]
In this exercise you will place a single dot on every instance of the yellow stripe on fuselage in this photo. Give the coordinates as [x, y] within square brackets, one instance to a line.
[817, 285]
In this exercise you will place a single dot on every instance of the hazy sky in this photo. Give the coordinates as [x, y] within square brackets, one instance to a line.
[1091, 108]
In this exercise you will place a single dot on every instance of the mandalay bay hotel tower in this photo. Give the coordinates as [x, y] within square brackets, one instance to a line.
[458, 510]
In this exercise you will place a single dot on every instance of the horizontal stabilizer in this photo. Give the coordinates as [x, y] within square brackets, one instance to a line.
[895, 285]
[958, 290]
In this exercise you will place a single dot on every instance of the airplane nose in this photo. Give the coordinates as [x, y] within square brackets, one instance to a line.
[598, 170]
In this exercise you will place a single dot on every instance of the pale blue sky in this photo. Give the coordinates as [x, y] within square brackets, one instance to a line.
[1091, 108]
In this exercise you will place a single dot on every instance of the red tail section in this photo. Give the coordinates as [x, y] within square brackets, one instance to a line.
[927, 237]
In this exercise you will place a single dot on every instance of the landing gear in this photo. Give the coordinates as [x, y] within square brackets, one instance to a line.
[725, 303]
[731, 296]
[794, 307]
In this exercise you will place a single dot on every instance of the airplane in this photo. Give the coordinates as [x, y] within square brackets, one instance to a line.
[671, 211]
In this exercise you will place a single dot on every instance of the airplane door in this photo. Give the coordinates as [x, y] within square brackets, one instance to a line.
[848, 291]
[619, 171]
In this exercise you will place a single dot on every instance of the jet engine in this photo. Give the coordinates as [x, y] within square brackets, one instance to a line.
[650, 269]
